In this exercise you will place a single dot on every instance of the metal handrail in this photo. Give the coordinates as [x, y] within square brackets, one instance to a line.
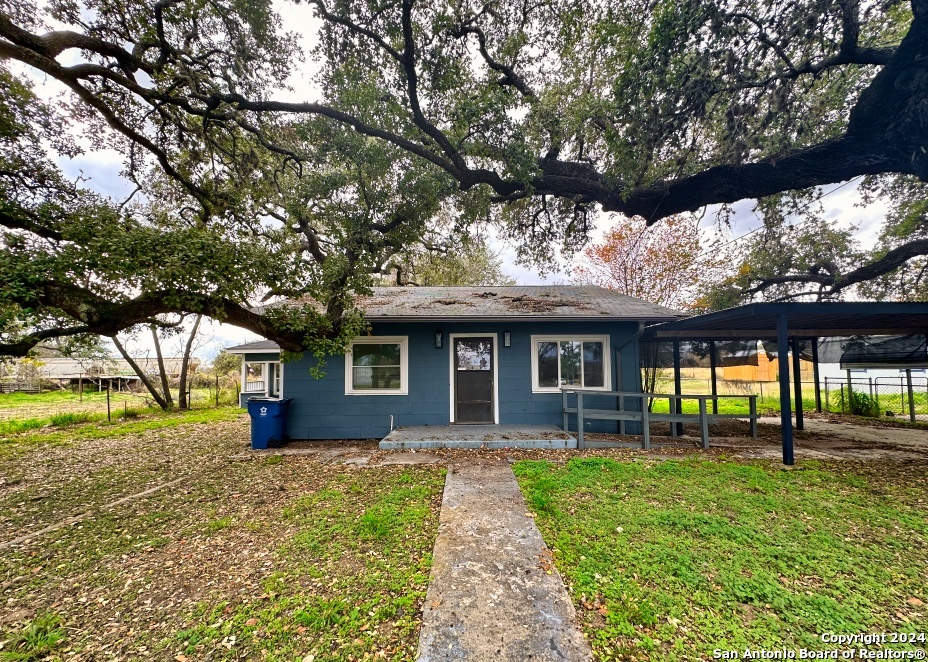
[643, 416]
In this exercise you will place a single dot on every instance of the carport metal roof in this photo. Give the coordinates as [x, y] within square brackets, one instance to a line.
[756, 321]
[790, 321]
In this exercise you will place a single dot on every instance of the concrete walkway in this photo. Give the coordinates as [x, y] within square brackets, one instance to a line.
[494, 593]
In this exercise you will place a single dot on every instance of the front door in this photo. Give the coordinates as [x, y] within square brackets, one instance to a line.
[473, 380]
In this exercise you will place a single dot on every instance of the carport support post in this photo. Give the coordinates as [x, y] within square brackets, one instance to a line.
[677, 406]
[712, 371]
[908, 383]
[797, 383]
[786, 420]
[815, 376]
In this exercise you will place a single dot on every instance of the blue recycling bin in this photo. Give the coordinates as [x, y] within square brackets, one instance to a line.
[268, 421]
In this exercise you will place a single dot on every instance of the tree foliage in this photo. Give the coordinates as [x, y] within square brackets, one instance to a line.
[665, 264]
[532, 116]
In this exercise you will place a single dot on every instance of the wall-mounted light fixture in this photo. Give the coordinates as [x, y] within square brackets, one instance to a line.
[438, 340]
[507, 339]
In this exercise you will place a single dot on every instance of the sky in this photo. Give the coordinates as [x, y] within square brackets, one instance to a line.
[101, 170]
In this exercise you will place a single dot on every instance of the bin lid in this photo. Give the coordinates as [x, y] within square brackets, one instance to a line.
[262, 399]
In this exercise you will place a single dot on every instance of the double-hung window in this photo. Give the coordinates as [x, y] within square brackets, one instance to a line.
[564, 361]
[377, 366]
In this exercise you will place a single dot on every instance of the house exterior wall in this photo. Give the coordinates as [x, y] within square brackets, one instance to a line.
[321, 410]
[258, 357]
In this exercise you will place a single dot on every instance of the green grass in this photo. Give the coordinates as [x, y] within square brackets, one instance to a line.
[669, 561]
[16, 426]
[738, 406]
[16, 438]
[70, 418]
[35, 641]
[67, 397]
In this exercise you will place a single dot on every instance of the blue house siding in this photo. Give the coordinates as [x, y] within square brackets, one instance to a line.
[321, 410]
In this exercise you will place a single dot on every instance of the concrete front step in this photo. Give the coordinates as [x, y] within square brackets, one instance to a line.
[387, 445]
[427, 437]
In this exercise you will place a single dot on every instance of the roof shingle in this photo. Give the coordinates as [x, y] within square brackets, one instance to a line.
[520, 302]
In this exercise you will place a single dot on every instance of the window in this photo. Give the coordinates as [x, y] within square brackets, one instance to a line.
[264, 377]
[377, 366]
[254, 377]
[579, 361]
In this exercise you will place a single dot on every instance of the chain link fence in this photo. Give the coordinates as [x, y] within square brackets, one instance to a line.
[877, 396]
[867, 396]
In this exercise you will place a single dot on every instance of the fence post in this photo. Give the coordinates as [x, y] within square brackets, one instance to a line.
[108, 384]
[217, 391]
[827, 404]
[752, 403]
[908, 381]
[850, 399]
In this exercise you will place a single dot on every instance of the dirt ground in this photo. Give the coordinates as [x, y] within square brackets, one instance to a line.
[824, 437]
[831, 438]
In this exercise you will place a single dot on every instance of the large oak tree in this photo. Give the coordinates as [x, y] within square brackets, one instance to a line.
[533, 115]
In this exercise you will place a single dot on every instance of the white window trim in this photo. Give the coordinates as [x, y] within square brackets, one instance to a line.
[265, 376]
[378, 340]
[607, 363]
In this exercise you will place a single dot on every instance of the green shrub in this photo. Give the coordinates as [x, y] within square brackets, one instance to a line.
[863, 405]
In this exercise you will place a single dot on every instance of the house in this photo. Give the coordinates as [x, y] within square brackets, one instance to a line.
[20, 374]
[461, 355]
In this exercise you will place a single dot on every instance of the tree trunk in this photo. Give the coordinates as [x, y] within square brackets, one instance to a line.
[141, 374]
[182, 395]
[161, 369]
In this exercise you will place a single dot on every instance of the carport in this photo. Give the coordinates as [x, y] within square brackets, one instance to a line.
[789, 323]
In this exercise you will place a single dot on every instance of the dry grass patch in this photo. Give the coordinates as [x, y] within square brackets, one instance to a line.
[269, 559]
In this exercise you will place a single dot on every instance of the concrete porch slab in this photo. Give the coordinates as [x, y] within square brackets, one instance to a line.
[478, 436]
